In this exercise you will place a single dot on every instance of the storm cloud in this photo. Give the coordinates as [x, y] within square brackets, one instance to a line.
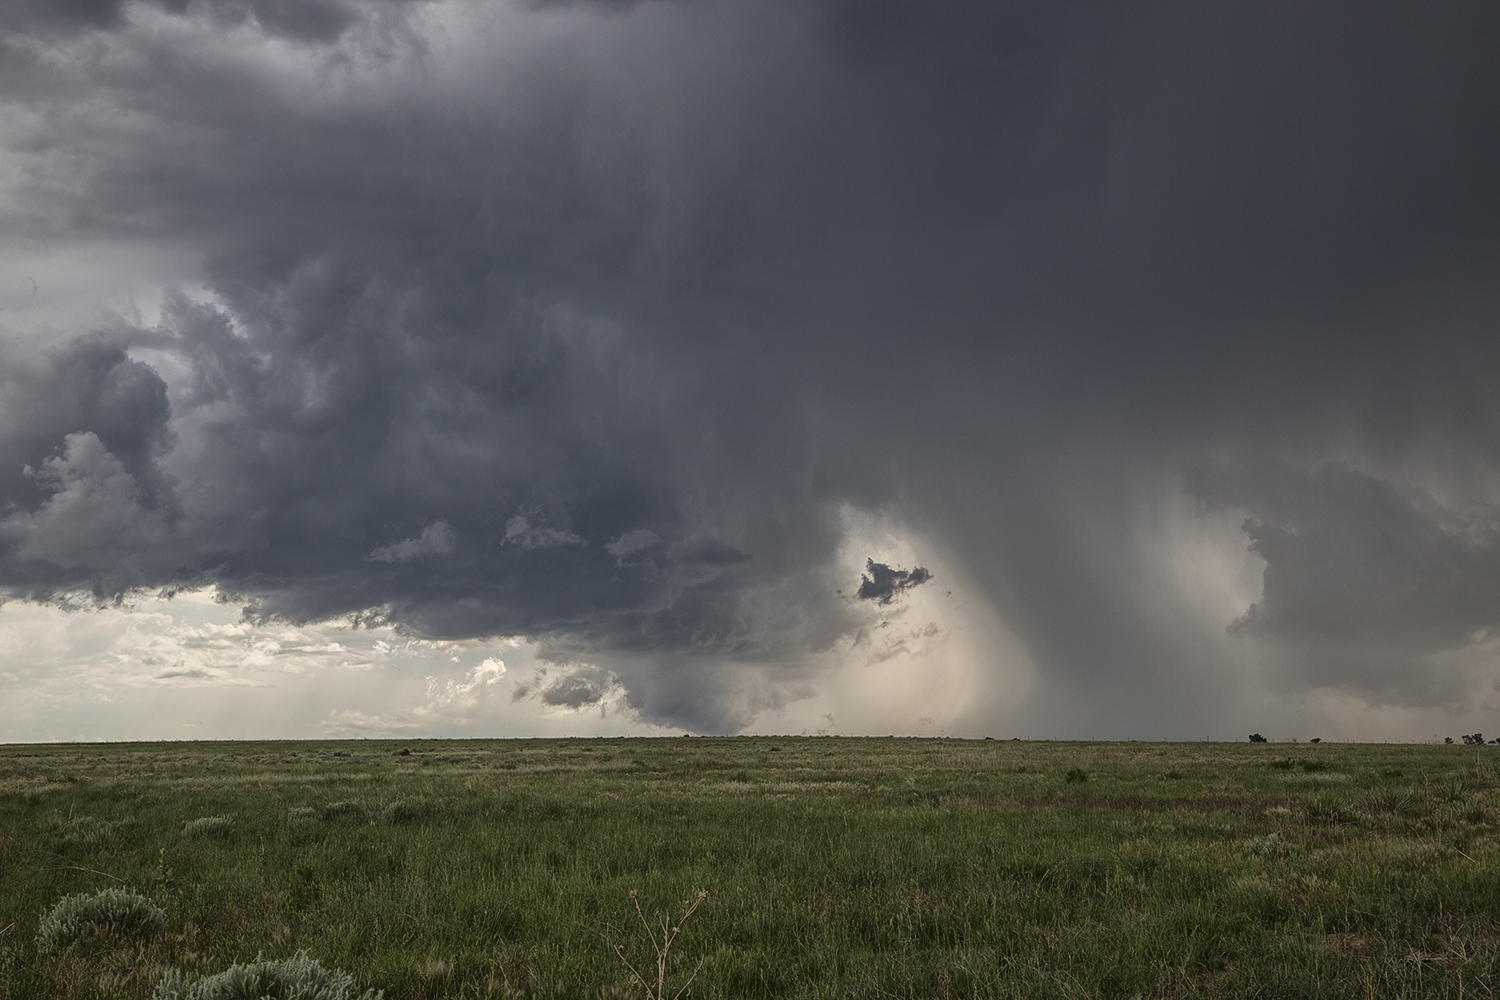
[638, 329]
[884, 584]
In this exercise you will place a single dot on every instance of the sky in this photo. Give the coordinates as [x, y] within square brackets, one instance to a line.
[535, 367]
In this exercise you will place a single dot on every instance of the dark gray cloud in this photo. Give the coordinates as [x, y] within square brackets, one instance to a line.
[1364, 578]
[589, 321]
[578, 688]
[61, 15]
[884, 584]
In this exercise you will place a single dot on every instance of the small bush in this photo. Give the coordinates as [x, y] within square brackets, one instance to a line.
[302, 818]
[209, 826]
[1077, 776]
[1268, 847]
[399, 811]
[295, 978]
[109, 913]
[336, 810]
[86, 831]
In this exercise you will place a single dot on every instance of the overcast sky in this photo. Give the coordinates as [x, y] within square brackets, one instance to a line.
[373, 367]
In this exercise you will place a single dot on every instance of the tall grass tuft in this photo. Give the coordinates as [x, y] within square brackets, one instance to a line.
[297, 978]
[107, 913]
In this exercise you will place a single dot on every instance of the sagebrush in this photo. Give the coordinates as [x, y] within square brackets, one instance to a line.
[209, 826]
[300, 977]
[111, 913]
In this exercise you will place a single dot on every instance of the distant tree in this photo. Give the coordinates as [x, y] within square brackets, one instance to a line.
[1447, 739]
[1475, 740]
[1258, 738]
[1316, 739]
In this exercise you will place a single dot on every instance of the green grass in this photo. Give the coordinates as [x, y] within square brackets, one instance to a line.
[835, 867]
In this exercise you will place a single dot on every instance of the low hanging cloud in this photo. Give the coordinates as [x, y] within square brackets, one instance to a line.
[591, 323]
[580, 687]
[1365, 578]
[882, 584]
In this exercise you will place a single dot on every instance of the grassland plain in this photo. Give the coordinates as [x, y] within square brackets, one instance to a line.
[835, 867]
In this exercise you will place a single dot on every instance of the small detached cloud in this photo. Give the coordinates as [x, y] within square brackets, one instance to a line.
[195, 673]
[884, 584]
[520, 531]
[705, 550]
[435, 540]
[632, 542]
[581, 686]
[180, 674]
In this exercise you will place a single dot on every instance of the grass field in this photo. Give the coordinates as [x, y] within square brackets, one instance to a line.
[834, 867]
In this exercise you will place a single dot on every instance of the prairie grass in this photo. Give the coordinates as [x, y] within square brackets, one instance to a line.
[837, 867]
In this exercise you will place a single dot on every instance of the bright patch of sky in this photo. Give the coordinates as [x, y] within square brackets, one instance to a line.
[191, 668]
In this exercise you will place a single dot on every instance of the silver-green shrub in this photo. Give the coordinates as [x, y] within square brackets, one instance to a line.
[336, 809]
[1272, 845]
[302, 818]
[398, 812]
[210, 826]
[86, 831]
[108, 912]
[295, 978]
